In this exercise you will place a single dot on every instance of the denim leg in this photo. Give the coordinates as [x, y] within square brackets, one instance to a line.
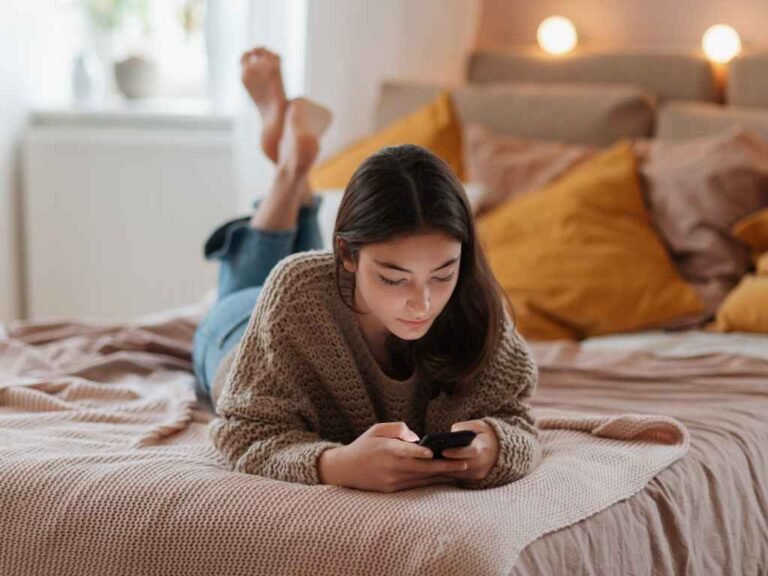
[247, 257]
[219, 332]
[308, 235]
[247, 254]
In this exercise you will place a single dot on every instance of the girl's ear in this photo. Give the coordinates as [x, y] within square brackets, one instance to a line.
[346, 260]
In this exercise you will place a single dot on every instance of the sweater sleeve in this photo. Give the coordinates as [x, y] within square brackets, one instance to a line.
[499, 398]
[267, 424]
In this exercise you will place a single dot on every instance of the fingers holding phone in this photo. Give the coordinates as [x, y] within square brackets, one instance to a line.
[480, 455]
[386, 458]
[438, 442]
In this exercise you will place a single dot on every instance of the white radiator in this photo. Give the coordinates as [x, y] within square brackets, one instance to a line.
[116, 210]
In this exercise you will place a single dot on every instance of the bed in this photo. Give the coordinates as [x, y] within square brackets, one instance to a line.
[105, 465]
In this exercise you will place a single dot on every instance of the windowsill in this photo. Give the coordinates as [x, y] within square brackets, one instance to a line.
[191, 113]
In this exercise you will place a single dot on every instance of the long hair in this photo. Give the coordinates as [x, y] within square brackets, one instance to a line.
[403, 190]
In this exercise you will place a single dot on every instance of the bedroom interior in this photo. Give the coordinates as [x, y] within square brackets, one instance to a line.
[615, 157]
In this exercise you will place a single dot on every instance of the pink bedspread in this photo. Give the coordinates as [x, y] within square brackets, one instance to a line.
[105, 467]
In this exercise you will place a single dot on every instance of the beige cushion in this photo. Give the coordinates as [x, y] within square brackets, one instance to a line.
[687, 120]
[596, 115]
[748, 80]
[668, 76]
[506, 167]
[697, 191]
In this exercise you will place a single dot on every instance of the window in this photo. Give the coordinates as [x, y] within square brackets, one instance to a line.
[180, 49]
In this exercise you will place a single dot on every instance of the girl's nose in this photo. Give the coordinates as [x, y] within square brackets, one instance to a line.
[418, 303]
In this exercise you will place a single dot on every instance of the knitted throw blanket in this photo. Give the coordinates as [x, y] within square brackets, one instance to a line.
[106, 467]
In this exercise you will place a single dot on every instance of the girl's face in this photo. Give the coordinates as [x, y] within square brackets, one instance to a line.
[406, 282]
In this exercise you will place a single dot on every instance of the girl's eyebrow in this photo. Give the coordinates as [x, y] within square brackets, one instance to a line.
[396, 267]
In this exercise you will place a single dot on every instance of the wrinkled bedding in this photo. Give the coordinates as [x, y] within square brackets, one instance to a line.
[707, 513]
[652, 465]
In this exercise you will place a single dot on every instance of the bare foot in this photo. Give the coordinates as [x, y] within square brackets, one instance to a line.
[305, 123]
[260, 73]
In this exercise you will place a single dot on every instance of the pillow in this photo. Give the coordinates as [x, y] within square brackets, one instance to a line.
[746, 307]
[580, 257]
[753, 231]
[697, 190]
[686, 120]
[434, 126]
[507, 166]
[762, 264]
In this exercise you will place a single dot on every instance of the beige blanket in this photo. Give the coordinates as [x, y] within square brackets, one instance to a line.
[105, 468]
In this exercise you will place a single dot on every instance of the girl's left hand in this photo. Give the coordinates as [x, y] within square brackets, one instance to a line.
[480, 455]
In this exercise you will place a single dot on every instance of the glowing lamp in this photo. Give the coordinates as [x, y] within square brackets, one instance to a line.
[556, 35]
[721, 43]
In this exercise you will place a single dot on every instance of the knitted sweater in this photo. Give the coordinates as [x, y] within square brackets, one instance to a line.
[303, 380]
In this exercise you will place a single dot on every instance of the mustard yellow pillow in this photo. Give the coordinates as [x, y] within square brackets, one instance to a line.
[762, 263]
[745, 309]
[580, 257]
[434, 126]
[753, 231]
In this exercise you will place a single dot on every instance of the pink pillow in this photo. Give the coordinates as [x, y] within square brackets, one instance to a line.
[697, 190]
[507, 166]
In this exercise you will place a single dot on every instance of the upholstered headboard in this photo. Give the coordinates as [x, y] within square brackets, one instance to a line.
[668, 76]
[598, 98]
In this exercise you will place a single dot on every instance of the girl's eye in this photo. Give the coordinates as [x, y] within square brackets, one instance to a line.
[389, 282]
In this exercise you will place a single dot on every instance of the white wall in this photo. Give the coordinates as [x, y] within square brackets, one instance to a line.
[643, 24]
[353, 45]
[31, 31]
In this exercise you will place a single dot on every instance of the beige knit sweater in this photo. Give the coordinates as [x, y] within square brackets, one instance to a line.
[303, 380]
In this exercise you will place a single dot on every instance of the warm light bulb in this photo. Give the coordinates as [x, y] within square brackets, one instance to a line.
[721, 43]
[556, 35]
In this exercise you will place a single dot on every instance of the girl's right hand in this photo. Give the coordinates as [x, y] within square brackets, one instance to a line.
[383, 459]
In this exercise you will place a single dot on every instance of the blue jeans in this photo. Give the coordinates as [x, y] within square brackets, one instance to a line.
[247, 256]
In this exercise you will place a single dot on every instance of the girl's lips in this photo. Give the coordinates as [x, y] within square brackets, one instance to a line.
[414, 324]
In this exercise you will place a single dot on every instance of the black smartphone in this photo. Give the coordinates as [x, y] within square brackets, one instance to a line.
[439, 441]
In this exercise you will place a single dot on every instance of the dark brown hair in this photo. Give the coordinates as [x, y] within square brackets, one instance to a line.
[403, 190]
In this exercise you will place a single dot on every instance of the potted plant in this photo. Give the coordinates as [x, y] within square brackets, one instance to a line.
[136, 75]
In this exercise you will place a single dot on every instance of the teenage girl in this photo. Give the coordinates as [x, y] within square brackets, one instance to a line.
[325, 366]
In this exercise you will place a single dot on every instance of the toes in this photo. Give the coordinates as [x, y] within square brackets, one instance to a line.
[254, 54]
